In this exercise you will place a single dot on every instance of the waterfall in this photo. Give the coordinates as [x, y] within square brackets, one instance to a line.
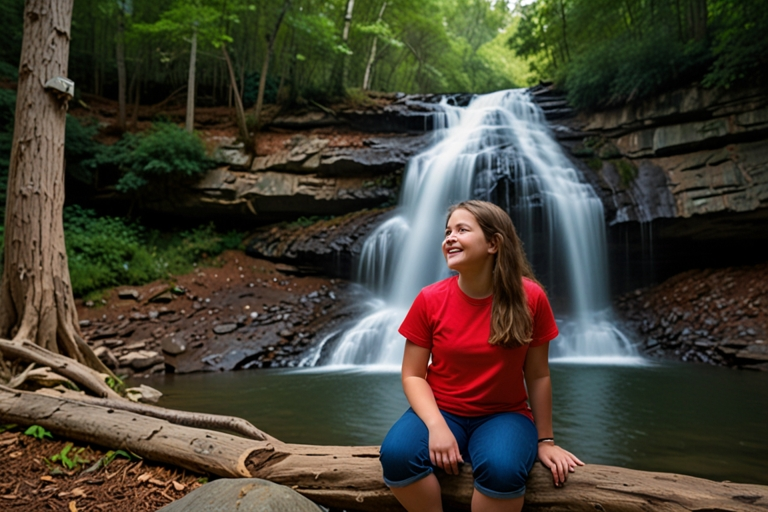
[498, 148]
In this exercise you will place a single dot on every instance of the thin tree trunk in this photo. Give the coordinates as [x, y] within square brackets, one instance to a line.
[372, 58]
[341, 78]
[265, 65]
[121, 69]
[346, 477]
[36, 301]
[697, 19]
[240, 111]
[189, 125]
[565, 33]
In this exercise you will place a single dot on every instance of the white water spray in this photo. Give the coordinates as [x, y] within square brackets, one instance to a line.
[498, 148]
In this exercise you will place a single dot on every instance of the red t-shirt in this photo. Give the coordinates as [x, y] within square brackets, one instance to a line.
[469, 376]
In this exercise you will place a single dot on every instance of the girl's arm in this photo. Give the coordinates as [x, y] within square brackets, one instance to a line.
[536, 369]
[443, 450]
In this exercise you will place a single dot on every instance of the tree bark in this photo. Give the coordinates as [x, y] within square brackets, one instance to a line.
[36, 301]
[697, 19]
[121, 116]
[189, 124]
[372, 58]
[349, 478]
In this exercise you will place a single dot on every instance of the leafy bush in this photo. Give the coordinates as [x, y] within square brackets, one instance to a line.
[164, 154]
[108, 251]
[79, 147]
[251, 89]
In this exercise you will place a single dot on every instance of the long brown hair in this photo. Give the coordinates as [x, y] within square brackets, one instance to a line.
[511, 322]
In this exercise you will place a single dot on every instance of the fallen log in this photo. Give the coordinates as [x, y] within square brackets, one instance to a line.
[350, 477]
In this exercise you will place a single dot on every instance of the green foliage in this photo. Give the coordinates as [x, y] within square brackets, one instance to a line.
[7, 427]
[607, 53]
[68, 457]
[7, 108]
[163, 155]
[627, 171]
[108, 251]
[251, 89]
[79, 147]
[38, 432]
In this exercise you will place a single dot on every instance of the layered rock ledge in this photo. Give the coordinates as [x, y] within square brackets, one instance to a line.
[680, 154]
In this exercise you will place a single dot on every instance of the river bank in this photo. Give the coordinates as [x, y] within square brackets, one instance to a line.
[714, 316]
[238, 313]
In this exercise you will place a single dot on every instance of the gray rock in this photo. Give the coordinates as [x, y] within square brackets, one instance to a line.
[128, 294]
[224, 328]
[243, 495]
[107, 357]
[141, 359]
[85, 323]
[173, 346]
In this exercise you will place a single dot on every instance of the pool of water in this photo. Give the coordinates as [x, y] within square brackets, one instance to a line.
[683, 418]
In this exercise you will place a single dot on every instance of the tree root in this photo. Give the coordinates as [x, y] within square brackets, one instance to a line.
[77, 372]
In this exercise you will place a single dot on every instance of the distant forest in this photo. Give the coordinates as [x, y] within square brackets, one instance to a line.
[603, 52]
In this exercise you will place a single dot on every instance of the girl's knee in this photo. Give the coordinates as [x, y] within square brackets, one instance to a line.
[501, 477]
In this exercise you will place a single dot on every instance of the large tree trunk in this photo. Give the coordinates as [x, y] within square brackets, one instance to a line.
[189, 125]
[349, 478]
[36, 301]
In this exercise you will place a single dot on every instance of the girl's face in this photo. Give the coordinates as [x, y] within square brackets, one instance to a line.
[465, 247]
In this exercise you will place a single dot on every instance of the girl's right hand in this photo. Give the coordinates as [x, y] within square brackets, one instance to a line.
[443, 450]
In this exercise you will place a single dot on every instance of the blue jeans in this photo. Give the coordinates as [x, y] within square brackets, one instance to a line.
[500, 447]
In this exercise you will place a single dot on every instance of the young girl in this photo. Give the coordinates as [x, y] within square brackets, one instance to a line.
[486, 330]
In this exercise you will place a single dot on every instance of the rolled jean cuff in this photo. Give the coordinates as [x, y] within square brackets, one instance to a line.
[500, 495]
[409, 481]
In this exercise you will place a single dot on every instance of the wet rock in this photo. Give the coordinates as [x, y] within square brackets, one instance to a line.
[113, 342]
[143, 393]
[141, 359]
[84, 323]
[225, 328]
[173, 346]
[107, 357]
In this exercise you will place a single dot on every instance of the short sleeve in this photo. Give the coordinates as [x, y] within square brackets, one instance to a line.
[544, 326]
[416, 327]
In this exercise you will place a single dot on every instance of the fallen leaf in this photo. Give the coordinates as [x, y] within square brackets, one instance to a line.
[72, 506]
[178, 486]
[78, 492]
[157, 482]
[144, 477]
[46, 478]
[16, 455]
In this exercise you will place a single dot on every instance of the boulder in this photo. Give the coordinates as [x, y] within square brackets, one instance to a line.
[141, 359]
[243, 495]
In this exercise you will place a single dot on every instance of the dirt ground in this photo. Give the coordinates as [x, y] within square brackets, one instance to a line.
[220, 291]
[30, 482]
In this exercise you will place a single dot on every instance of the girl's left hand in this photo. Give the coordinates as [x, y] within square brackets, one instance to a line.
[559, 461]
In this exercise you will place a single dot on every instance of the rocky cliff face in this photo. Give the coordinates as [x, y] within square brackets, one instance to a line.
[684, 153]
[312, 162]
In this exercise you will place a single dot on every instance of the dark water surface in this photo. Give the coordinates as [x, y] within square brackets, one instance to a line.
[683, 418]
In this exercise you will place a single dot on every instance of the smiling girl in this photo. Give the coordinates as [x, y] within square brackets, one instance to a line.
[487, 332]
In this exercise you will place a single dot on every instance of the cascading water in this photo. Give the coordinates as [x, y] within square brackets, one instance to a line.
[498, 148]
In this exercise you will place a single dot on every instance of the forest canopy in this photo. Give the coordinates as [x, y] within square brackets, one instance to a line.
[606, 52]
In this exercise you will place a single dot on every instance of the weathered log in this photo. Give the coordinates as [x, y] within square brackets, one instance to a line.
[350, 477]
[188, 419]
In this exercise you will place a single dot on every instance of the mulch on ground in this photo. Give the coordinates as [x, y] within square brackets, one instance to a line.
[29, 483]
